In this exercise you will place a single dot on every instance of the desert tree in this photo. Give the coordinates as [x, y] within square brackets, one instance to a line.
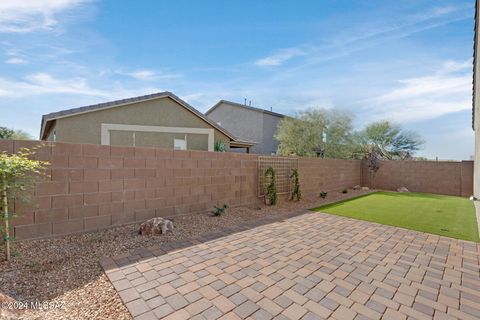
[7, 133]
[18, 173]
[316, 132]
[389, 141]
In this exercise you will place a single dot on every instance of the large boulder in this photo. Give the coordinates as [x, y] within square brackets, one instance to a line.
[402, 189]
[156, 226]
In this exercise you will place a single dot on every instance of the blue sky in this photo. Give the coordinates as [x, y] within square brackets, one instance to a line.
[409, 61]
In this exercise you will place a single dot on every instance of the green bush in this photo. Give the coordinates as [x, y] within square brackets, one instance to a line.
[296, 193]
[218, 211]
[271, 190]
[18, 174]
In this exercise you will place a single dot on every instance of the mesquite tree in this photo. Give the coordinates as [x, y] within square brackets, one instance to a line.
[18, 173]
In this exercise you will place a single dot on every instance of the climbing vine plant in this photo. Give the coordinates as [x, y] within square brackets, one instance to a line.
[271, 190]
[296, 193]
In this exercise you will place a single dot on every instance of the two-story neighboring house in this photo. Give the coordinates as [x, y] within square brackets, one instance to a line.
[248, 123]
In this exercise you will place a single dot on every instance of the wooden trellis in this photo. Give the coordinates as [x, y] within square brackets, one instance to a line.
[283, 167]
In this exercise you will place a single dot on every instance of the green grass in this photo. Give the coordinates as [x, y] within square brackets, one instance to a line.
[443, 215]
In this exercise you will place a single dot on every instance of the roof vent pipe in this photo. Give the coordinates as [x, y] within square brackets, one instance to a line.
[245, 101]
[249, 103]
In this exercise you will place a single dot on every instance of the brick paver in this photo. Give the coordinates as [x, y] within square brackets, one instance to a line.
[308, 266]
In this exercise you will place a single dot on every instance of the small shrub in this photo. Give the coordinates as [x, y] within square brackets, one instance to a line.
[296, 193]
[323, 194]
[219, 146]
[271, 191]
[18, 174]
[218, 211]
[345, 190]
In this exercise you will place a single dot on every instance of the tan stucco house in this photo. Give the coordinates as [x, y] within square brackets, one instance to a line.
[157, 120]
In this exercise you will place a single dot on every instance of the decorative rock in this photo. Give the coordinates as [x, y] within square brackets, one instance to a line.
[155, 226]
[402, 189]
[472, 198]
[365, 188]
[357, 187]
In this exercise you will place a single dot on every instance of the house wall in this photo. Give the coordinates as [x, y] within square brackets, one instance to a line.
[92, 187]
[243, 123]
[441, 177]
[269, 143]
[476, 104]
[248, 124]
[86, 128]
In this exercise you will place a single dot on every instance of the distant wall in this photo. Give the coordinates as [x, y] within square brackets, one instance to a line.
[441, 177]
[328, 174]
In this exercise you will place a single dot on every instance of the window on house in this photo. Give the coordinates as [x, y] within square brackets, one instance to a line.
[179, 144]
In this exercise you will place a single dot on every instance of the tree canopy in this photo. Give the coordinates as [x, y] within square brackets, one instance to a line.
[316, 132]
[329, 133]
[389, 140]
[7, 133]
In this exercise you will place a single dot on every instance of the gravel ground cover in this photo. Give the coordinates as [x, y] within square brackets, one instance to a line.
[65, 271]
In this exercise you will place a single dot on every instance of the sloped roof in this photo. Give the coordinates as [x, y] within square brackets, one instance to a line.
[49, 118]
[246, 107]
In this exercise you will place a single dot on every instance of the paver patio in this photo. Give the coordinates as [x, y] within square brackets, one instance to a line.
[308, 266]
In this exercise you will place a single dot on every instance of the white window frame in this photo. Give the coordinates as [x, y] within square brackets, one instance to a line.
[106, 127]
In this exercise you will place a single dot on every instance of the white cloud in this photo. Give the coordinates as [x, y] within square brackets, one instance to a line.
[446, 91]
[280, 57]
[143, 74]
[147, 75]
[15, 60]
[44, 83]
[349, 41]
[30, 15]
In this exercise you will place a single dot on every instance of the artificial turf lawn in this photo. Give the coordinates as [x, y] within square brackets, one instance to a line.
[443, 215]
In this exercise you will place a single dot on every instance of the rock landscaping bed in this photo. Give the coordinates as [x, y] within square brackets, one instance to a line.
[66, 273]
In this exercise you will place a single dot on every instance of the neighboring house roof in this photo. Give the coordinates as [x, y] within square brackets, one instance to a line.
[49, 118]
[475, 48]
[246, 107]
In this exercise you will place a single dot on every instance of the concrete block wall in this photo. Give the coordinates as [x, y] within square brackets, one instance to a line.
[92, 187]
[440, 177]
[318, 175]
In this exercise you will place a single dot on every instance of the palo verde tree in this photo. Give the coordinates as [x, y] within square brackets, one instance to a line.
[388, 141]
[18, 173]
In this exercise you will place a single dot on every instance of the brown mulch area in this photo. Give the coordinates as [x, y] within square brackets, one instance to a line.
[66, 270]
